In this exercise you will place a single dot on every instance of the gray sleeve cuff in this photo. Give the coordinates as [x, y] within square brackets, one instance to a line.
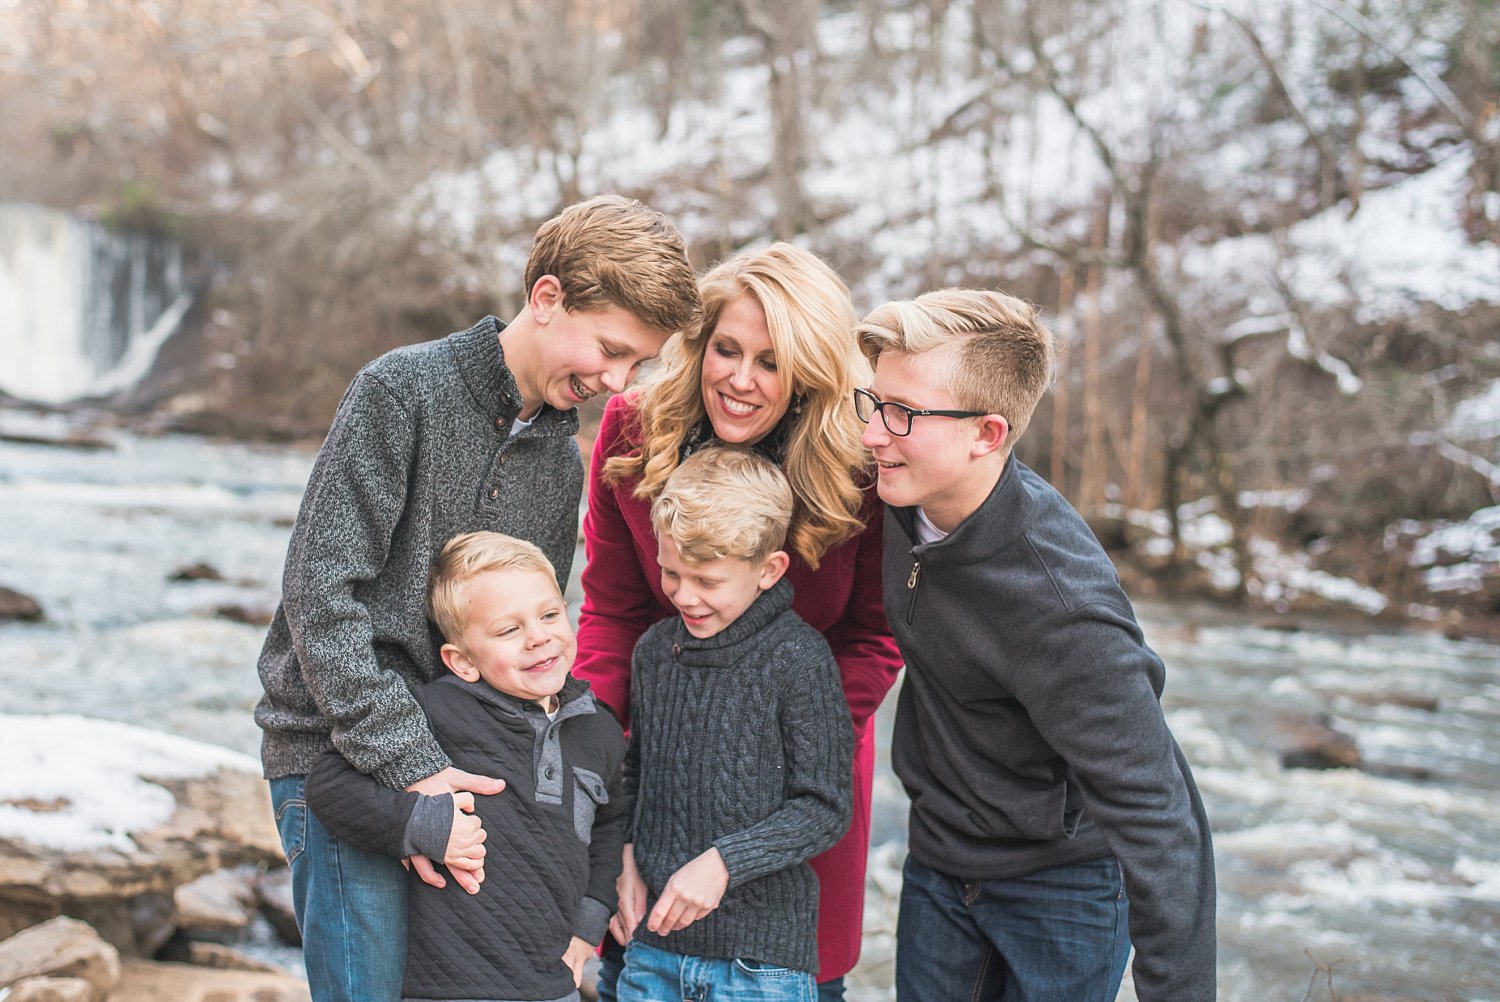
[591, 922]
[429, 826]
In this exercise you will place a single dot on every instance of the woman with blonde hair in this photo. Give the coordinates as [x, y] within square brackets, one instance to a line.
[772, 367]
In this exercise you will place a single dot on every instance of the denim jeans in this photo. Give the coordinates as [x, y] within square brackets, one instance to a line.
[612, 960]
[350, 904]
[1058, 935]
[653, 975]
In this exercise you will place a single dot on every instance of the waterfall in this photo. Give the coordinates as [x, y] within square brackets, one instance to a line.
[83, 310]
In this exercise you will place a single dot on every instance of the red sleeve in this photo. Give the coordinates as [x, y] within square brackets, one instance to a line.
[861, 639]
[618, 603]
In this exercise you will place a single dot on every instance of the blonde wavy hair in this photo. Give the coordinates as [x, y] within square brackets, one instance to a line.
[811, 320]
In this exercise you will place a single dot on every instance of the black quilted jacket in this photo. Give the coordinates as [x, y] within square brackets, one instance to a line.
[553, 840]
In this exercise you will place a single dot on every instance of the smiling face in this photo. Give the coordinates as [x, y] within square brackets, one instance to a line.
[713, 594]
[577, 354]
[946, 466]
[743, 392]
[516, 634]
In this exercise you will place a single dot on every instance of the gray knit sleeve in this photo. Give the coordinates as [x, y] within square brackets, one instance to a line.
[354, 499]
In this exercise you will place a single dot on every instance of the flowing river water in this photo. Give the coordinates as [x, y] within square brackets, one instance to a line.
[1390, 876]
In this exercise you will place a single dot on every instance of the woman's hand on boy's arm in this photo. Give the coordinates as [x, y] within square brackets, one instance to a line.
[578, 954]
[691, 893]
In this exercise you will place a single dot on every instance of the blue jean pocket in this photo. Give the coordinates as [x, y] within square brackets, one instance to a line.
[756, 969]
[772, 983]
[291, 824]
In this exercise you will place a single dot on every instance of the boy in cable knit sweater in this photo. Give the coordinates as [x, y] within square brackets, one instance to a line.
[739, 754]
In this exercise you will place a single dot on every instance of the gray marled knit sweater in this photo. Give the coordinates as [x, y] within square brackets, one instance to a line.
[742, 742]
[420, 451]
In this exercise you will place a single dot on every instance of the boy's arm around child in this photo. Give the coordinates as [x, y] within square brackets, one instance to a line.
[366, 813]
[355, 498]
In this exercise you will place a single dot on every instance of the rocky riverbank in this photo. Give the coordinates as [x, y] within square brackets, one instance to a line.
[131, 863]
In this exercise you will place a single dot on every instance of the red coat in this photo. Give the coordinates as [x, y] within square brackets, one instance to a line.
[841, 600]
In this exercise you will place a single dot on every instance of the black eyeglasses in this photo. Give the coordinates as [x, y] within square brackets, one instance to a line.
[898, 417]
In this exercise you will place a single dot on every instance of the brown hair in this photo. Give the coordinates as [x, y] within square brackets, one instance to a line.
[724, 502]
[1002, 353]
[463, 559]
[613, 251]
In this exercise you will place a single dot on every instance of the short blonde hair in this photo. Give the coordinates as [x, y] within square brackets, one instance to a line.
[811, 318]
[611, 251]
[1002, 353]
[463, 559]
[724, 502]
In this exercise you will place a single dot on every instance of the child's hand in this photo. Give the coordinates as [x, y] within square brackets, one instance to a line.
[631, 890]
[464, 855]
[691, 893]
[578, 954]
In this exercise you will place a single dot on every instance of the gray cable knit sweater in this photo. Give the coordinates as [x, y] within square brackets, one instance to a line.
[420, 451]
[740, 741]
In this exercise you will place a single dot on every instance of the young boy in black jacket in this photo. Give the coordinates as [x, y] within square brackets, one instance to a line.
[1046, 790]
[740, 751]
[509, 708]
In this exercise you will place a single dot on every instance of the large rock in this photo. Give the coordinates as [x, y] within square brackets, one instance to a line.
[216, 904]
[146, 981]
[1313, 743]
[274, 892]
[52, 990]
[14, 605]
[143, 981]
[105, 821]
[62, 949]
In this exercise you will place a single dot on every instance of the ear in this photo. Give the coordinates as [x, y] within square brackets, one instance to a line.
[545, 299]
[991, 435]
[458, 662]
[774, 567]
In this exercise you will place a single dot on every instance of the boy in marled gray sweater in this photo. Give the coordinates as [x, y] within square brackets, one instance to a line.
[471, 432]
[739, 753]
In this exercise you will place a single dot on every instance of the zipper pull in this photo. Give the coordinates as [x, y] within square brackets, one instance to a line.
[916, 569]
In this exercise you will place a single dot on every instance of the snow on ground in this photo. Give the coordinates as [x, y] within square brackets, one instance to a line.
[1477, 417]
[82, 779]
[1458, 555]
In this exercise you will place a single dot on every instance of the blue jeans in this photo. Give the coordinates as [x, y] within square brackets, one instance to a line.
[350, 904]
[612, 961]
[653, 975]
[1059, 935]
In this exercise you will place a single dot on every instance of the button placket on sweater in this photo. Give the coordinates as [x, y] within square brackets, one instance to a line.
[490, 494]
[549, 761]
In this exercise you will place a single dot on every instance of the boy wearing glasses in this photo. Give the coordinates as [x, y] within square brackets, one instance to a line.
[1046, 788]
